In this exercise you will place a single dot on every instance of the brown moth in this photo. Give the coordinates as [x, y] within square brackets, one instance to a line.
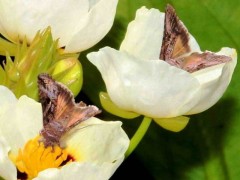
[176, 44]
[60, 112]
[175, 37]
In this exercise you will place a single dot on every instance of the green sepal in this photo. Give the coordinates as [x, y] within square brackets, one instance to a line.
[110, 107]
[6, 46]
[174, 124]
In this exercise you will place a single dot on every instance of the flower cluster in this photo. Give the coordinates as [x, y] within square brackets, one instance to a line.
[159, 72]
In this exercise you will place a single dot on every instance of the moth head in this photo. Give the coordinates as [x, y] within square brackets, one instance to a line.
[45, 80]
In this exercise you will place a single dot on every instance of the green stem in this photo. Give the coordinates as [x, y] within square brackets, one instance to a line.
[139, 134]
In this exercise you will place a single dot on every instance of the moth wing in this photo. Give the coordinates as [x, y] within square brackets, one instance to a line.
[81, 114]
[64, 105]
[47, 95]
[175, 38]
[70, 113]
[197, 61]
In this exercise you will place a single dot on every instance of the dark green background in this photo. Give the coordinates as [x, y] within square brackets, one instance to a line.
[209, 147]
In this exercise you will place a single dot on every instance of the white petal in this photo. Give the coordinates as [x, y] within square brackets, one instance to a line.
[98, 22]
[21, 122]
[92, 3]
[83, 171]
[144, 35]
[6, 98]
[23, 17]
[194, 47]
[214, 81]
[7, 169]
[97, 141]
[152, 88]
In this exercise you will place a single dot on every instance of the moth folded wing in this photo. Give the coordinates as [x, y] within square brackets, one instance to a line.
[81, 113]
[198, 61]
[60, 110]
[48, 88]
[48, 92]
[64, 105]
[70, 113]
[176, 37]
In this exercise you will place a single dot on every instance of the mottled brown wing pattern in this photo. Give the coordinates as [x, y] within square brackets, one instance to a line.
[197, 61]
[175, 37]
[60, 111]
[176, 44]
[74, 112]
[48, 92]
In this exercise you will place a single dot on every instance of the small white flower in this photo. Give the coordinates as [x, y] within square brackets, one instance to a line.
[79, 24]
[138, 81]
[95, 147]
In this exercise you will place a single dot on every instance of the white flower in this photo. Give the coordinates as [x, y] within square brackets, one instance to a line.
[79, 24]
[96, 147]
[138, 81]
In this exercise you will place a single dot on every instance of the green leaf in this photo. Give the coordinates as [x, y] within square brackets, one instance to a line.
[208, 148]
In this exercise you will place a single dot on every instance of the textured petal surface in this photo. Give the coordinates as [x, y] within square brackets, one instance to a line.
[7, 168]
[152, 88]
[23, 17]
[144, 35]
[214, 81]
[20, 121]
[83, 171]
[97, 141]
[97, 24]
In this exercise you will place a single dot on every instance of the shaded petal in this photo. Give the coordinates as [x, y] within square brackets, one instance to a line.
[97, 24]
[152, 88]
[97, 141]
[7, 168]
[21, 122]
[144, 34]
[194, 47]
[6, 98]
[214, 81]
[23, 17]
[92, 3]
[83, 171]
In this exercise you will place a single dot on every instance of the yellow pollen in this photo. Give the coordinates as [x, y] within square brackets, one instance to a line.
[35, 157]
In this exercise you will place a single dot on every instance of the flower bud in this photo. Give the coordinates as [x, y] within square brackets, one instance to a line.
[69, 72]
[20, 71]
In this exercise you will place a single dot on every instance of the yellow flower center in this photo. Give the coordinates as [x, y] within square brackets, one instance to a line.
[35, 157]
